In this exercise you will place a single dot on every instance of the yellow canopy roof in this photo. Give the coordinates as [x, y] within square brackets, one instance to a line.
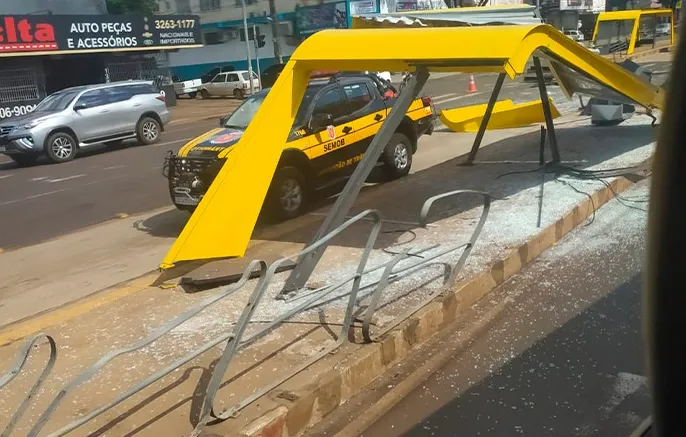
[223, 223]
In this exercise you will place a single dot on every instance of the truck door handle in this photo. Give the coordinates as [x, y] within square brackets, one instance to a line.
[378, 117]
[347, 129]
[136, 105]
[103, 111]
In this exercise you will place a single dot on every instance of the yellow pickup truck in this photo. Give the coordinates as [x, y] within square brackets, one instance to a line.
[337, 119]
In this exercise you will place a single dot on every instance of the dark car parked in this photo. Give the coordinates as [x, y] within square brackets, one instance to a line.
[269, 75]
[207, 77]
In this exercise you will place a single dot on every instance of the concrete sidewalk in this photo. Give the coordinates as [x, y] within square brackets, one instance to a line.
[506, 169]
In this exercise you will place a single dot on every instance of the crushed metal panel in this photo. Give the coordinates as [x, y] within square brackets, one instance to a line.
[578, 83]
[623, 86]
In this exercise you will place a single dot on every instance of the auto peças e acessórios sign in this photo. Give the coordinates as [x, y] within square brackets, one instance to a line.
[47, 34]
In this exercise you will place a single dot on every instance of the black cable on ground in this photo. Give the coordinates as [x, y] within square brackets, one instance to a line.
[596, 175]
[557, 179]
[400, 231]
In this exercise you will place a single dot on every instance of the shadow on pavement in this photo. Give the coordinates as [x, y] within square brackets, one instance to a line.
[566, 384]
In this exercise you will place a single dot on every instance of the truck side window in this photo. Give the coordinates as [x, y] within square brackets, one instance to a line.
[92, 98]
[332, 102]
[358, 95]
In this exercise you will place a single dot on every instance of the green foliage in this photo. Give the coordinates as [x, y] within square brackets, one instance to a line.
[144, 7]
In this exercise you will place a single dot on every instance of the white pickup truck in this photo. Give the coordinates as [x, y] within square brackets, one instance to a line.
[187, 87]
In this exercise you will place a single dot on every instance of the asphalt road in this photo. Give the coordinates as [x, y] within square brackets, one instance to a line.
[564, 359]
[45, 201]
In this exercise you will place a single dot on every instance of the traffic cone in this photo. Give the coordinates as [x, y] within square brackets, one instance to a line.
[472, 84]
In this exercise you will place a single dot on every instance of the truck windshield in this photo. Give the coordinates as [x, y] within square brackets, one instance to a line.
[57, 101]
[241, 117]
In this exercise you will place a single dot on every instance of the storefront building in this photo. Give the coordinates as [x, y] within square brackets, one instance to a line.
[41, 54]
[224, 44]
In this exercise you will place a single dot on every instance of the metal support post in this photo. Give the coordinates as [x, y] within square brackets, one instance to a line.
[306, 263]
[485, 120]
[257, 57]
[554, 151]
[275, 31]
[247, 46]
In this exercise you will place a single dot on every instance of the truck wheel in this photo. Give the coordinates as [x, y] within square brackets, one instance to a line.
[148, 131]
[60, 147]
[287, 197]
[204, 94]
[397, 156]
[238, 93]
[193, 95]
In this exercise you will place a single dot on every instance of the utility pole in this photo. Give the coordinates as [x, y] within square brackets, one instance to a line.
[257, 55]
[275, 31]
[247, 46]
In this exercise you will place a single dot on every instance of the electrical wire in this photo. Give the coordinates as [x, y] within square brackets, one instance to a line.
[590, 198]
[400, 243]
[595, 175]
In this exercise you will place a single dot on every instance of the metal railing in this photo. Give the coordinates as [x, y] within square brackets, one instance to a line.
[236, 340]
[18, 85]
[148, 66]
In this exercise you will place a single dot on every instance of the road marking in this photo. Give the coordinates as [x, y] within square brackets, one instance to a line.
[113, 167]
[68, 178]
[5, 176]
[35, 196]
[458, 98]
[38, 178]
[73, 310]
[444, 95]
[183, 140]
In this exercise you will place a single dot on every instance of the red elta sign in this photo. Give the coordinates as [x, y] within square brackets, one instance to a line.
[51, 34]
[21, 35]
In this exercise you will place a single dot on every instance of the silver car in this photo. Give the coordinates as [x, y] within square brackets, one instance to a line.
[80, 117]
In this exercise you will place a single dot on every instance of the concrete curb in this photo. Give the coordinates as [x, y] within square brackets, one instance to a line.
[308, 402]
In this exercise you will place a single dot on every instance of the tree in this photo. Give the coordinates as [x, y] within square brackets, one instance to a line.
[144, 7]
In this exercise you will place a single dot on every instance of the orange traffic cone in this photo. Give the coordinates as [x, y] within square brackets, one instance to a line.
[472, 84]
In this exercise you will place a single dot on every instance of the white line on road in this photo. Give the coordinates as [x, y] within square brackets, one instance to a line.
[5, 176]
[35, 196]
[438, 102]
[39, 178]
[444, 96]
[113, 167]
[52, 181]
[183, 140]
[49, 193]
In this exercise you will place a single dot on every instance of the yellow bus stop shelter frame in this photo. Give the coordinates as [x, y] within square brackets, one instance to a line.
[634, 15]
[223, 222]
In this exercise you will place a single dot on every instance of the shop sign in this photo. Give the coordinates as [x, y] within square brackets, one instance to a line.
[18, 109]
[310, 19]
[405, 6]
[361, 7]
[49, 34]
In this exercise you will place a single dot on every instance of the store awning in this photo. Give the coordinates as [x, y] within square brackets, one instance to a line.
[477, 16]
